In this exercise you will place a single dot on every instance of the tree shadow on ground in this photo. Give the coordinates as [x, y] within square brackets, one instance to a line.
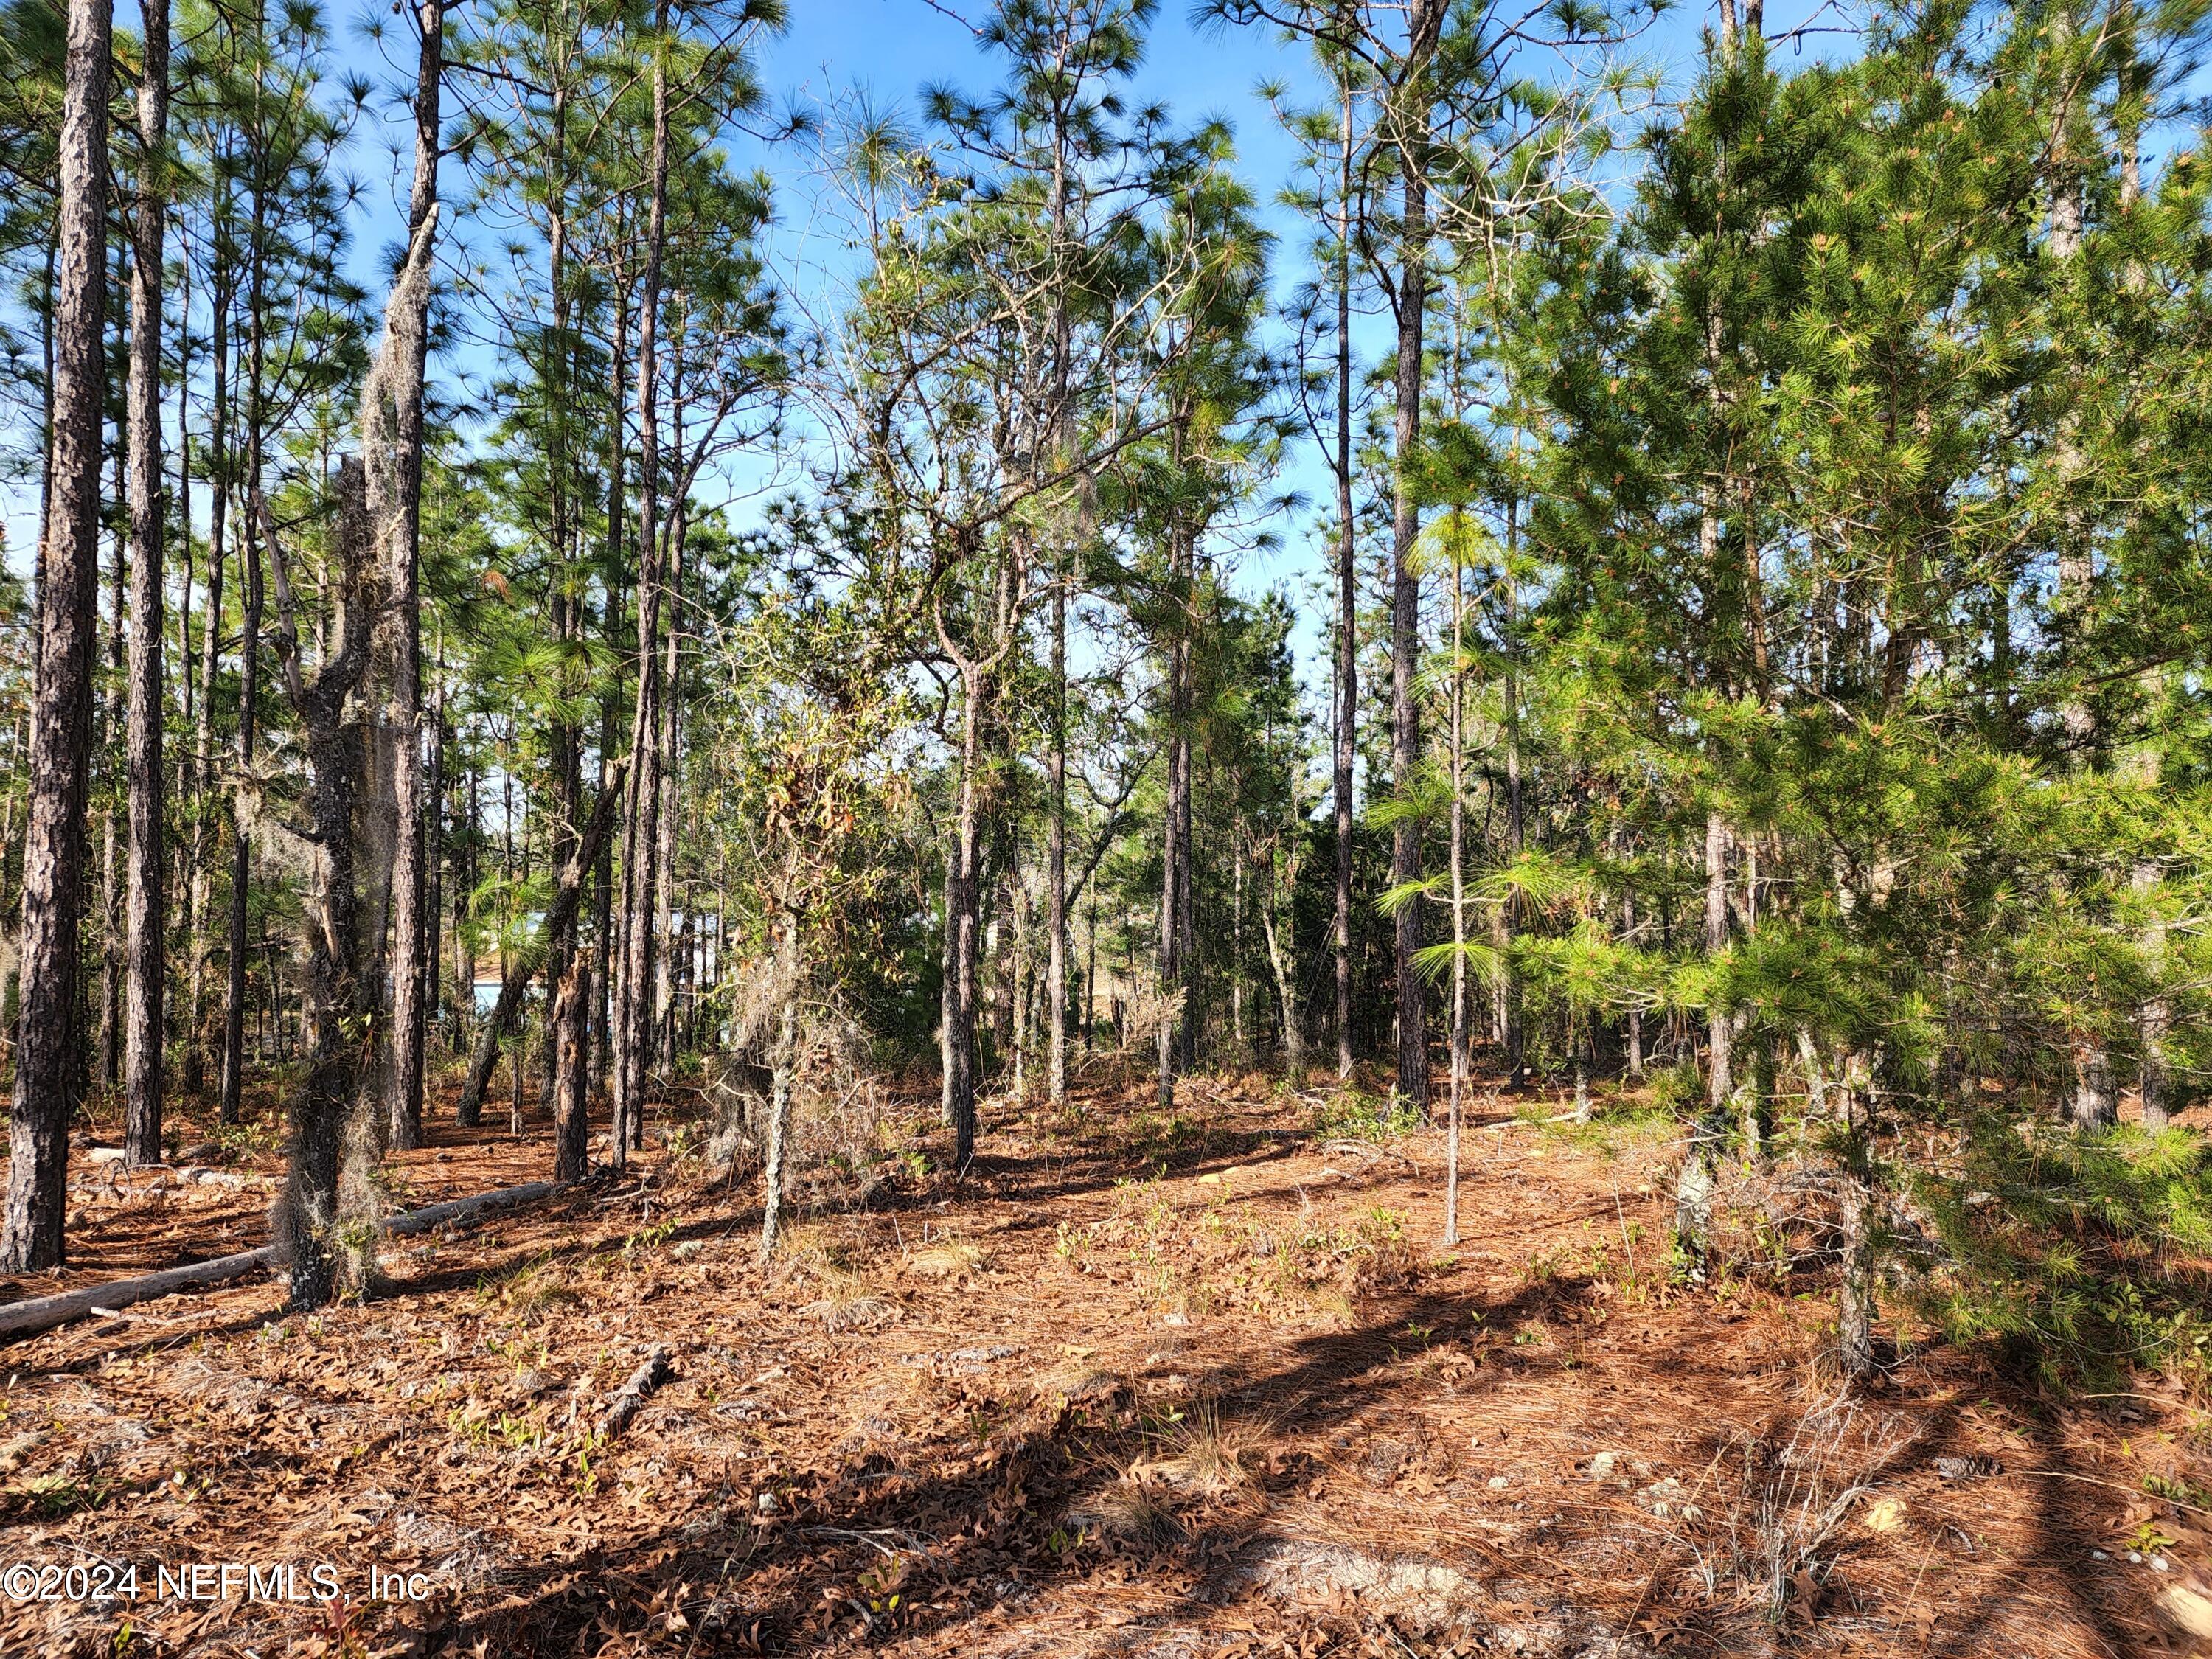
[984, 1535]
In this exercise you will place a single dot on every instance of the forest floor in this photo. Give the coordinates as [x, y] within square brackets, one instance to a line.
[1138, 1384]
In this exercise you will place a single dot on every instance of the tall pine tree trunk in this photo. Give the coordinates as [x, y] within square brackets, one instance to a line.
[1412, 299]
[1458, 904]
[634, 1006]
[203, 835]
[1693, 1194]
[144, 955]
[317, 1245]
[1174, 873]
[1055, 854]
[111, 741]
[61, 728]
[399, 531]
[249, 665]
[668, 781]
[1347, 644]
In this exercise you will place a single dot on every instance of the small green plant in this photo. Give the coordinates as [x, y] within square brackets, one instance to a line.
[2150, 1537]
[1678, 1091]
[2178, 1492]
[588, 1480]
[57, 1494]
[1354, 1115]
[1382, 1226]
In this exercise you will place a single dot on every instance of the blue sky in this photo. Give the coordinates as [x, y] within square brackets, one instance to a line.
[891, 50]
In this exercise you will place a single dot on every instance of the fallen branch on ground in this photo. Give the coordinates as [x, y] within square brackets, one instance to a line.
[43, 1313]
[656, 1368]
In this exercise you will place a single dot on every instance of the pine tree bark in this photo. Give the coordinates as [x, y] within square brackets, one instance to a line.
[111, 741]
[662, 1048]
[249, 669]
[570, 1019]
[1347, 616]
[61, 729]
[401, 534]
[634, 1008]
[1693, 1193]
[1055, 856]
[1174, 873]
[203, 836]
[607, 912]
[962, 906]
[146, 913]
[312, 1239]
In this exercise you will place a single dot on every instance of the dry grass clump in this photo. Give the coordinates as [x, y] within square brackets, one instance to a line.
[1781, 1535]
[1075, 1381]
[848, 1299]
[1125, 1511]
[946, 1259]
[538, 1290]
[1206, 1451]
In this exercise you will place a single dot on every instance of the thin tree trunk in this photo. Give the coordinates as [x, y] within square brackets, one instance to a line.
[1694, 1190]
[1282, 950]
[433, 899]
[1458, 902]
[1347, 653]
[1635, 1036]
[781, 1068]
[249, 672]
[644, 775]
[2155, 1018]
[145, 958]
[607, 918]
[1855, 1295]
[962, 910]
[1055, 857]
[567, 892]
[947, 992]
[570, 1019]
[1508, 914]
[112, 804]
[204, 831]
[400, 534]
[1174, 872]
[1405, 596]
[665, 813]
[45, 1042]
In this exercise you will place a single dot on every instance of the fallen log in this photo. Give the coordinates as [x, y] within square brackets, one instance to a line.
[43, 1313]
